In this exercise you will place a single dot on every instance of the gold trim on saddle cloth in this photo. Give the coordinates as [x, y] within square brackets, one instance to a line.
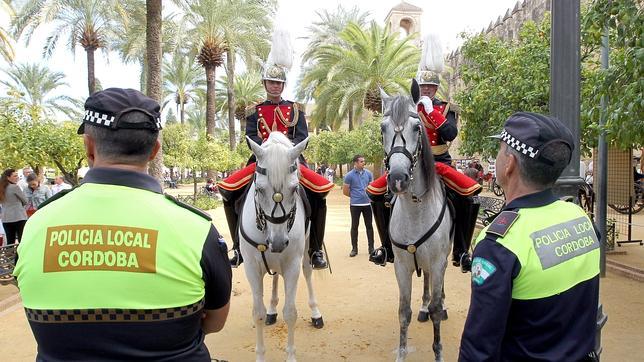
[461, 191]
[315, 188]
[237, 185]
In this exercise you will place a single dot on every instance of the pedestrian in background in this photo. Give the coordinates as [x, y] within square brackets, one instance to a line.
[355, 186]
[13, 202]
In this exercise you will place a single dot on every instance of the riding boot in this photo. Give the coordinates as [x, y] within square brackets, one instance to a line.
[318, 224]
[459, 204]
[469, 225]
[381, 215]
[232, 218]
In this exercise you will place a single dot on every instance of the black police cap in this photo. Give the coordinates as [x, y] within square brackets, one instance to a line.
[105, 109]
[529, 133]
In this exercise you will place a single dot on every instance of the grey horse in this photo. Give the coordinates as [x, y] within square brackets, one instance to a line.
[421, 222]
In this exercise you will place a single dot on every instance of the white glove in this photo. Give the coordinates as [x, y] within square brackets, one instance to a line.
[427, 103]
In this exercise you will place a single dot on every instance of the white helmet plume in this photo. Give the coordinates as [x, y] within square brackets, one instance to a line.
[432, 54]
[281, 50]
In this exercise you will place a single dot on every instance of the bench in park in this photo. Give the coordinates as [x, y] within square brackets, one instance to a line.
[7, 262]
[490, 208]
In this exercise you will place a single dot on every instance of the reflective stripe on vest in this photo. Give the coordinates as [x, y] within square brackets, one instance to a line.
[90, 249]
[556, 246]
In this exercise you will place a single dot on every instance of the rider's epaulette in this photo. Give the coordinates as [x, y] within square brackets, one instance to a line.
[58, 195]
[250, 110]
[502, 223]
[195, 210]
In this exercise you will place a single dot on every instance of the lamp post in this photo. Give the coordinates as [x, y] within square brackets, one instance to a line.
[565, 70]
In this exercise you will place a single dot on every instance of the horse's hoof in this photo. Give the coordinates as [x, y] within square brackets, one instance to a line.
[318, 323]
[271, 319]
[423, 316]
[444, 315]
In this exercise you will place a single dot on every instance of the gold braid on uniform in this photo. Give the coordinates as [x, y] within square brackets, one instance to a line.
[279, 115]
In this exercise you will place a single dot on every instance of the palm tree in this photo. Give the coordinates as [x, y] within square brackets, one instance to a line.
[325, 31]
[84, 22]
[154, 57]
[226, 27]
[346, 76]
[182, 77]
[247, 92]
[32, 85]
[130, 35]
[6, 48]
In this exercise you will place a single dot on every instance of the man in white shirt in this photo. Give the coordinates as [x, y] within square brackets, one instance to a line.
[22, 183]
[59, 185]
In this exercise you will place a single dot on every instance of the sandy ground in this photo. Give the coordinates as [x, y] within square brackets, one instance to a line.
[359, 302]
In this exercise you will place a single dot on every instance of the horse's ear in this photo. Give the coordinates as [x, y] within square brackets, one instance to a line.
[296, 151]
[383, 94]
[415, 91]
[258, 151]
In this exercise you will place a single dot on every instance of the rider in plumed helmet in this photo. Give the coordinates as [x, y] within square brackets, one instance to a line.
[276, 114]
[440, 120]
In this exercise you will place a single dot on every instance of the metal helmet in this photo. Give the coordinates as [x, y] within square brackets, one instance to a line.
[431, 61]
[275, 73]
[280, 59]
[428, 77]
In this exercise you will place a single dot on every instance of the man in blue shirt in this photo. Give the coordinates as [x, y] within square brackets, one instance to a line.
[355, 184]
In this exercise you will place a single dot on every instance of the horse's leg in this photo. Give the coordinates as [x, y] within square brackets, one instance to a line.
[259, 311]
[290, 312]
[436, 312]
[316, 316]
[404, 278]
[271, 315]
[423, 313]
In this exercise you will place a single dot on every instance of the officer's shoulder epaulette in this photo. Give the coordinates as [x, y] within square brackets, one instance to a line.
[296, 105]
[453, 107]
[502, 223]
[191, 208]
[58, 195]
[248, 111]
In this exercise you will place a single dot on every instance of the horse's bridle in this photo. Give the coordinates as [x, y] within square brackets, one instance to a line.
[278, 197]
[413, 158]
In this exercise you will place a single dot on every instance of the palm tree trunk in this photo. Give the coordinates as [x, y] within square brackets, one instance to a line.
[154, 54]
[230, 70]
[91, 80]
[182, 112]
[351, 119]
[210, 100]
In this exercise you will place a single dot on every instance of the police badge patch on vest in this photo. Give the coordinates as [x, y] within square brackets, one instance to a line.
[481, 270]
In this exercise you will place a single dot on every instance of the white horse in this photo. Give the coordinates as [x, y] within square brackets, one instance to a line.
[420, 227]
[274, 236]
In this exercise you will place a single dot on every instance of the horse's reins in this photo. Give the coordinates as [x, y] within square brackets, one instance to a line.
[413, 159]
[261, 217]
[412, 248]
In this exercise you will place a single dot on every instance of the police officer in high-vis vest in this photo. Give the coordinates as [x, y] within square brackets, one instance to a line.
[114, 270]
[535, 271]
[276, 114]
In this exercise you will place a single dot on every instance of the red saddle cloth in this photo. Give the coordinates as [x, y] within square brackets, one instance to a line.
[453, 179]
[308, 178]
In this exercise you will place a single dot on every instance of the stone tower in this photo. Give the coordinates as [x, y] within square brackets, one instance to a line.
[405, 18]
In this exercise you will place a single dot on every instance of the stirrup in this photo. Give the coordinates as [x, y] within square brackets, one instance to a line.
[466, 262]
[237, 259]
[379, 256]
[322, 263]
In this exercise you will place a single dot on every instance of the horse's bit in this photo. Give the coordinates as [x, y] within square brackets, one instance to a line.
[413, 159]
[261, 217]
[278, 197]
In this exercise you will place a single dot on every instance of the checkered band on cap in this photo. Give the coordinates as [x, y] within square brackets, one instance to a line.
[511, 141]
[98, 118]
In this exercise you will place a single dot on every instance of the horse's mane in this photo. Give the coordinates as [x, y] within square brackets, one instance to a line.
[399, 108]
[277, 146]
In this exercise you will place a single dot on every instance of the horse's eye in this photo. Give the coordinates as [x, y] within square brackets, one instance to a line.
[382, 127]
[417, 127]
